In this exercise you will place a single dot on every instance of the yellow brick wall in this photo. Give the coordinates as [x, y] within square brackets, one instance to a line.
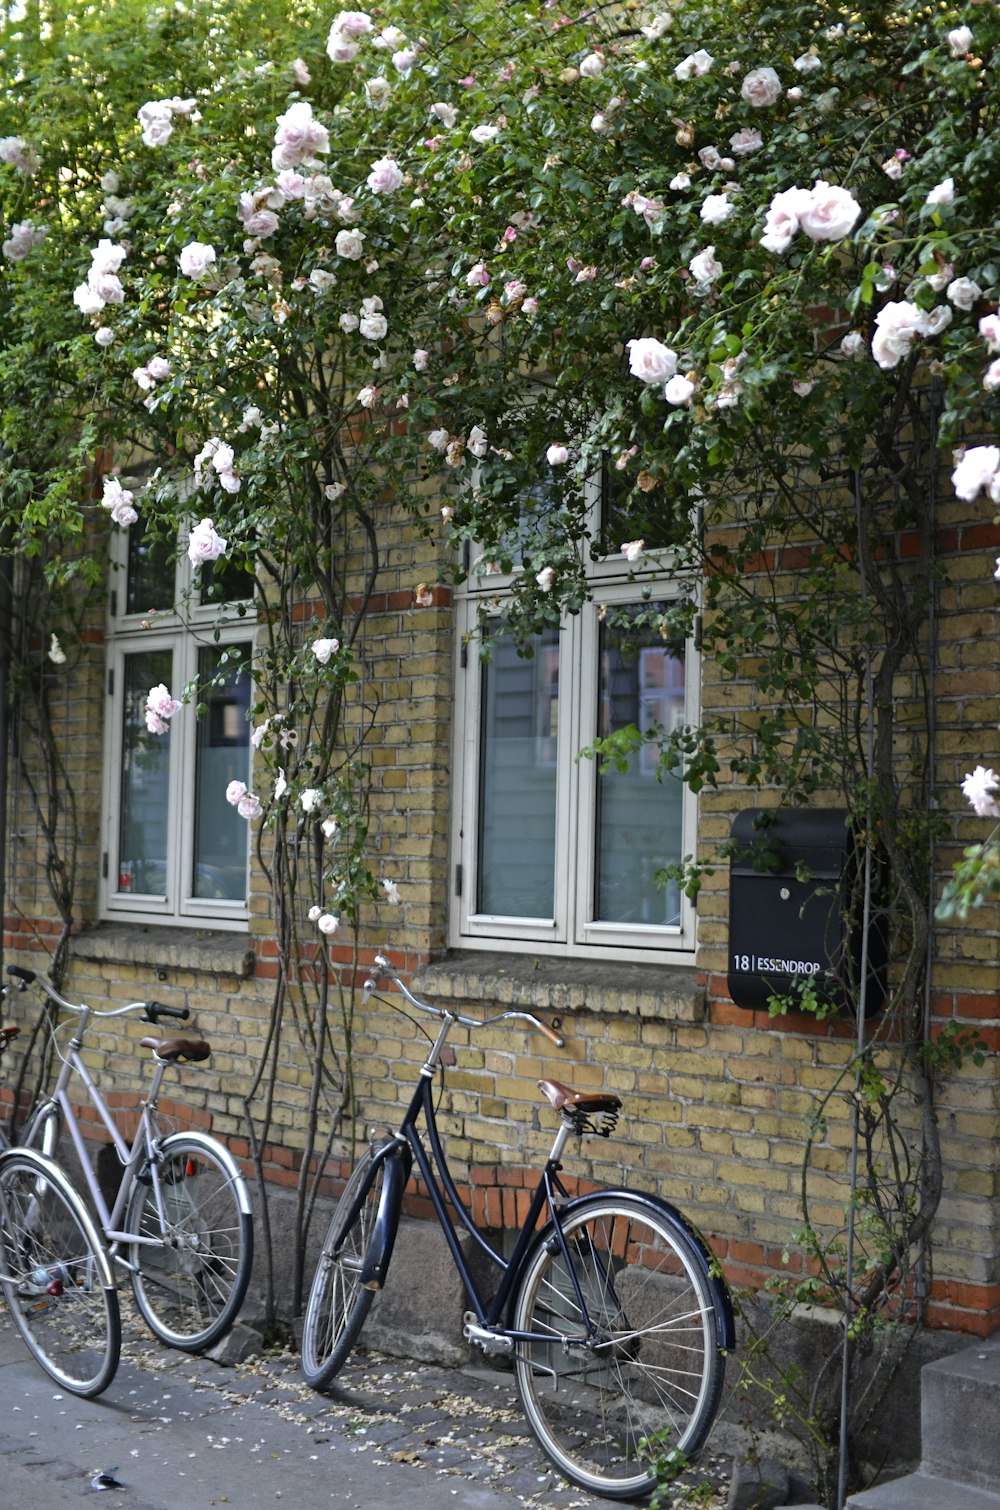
[716, 1099]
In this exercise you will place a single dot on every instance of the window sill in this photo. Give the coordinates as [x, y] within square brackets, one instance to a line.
[205, 950]
[668, 992]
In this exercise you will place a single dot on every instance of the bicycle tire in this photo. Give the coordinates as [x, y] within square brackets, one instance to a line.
[649, 1388]
[43, 1129]
[337, 1304]
[190, 1285]
[55, 1275]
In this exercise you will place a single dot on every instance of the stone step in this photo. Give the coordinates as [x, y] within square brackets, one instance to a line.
[924, 1491]
[960, 1416]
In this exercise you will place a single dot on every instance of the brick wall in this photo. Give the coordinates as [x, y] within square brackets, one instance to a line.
[716, 1099]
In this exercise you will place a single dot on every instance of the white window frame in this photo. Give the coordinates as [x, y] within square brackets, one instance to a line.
[185, 630]
[571, 932]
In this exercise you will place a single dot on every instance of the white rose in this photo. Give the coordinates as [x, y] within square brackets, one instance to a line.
[438, 439]
[420, 359]
[854, 345]
[782, 220]
[716, 208]
[746, 141]
[704, 266]
[991, 378]
[650, 360]
[104, 336]
[989, 329]
[761, 88]
[204, 544]
[350, 244]
[960, 41]
[385, 176]
[942, 194]
[679, 390]
[976, 469]
[477, 442]
[557, 455]
[939, 319]
[196, 258]
[373, 327]
[829, 213]
[898, 326]
[592, 66]
[445, 113]
[348, 322]
[963, 293]
[694, 65]
[340, 48]
[545, 578]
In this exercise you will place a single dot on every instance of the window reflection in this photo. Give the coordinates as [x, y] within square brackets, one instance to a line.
[223, 755]
[145, 780]
[638, 817]
[517, 817]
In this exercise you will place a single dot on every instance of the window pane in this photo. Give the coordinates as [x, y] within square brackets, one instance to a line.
[638, 817]
[225, 581]
[223, 755]
[627, 513]
[517, 802]
[142, 850]
[150, 575]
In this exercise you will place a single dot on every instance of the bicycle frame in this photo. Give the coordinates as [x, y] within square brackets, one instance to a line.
[129, 1156]
[406, 1146]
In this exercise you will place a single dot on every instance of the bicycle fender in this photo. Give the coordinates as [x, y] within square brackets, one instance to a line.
[213, 1146]
[396, 1168]
[725, 1321]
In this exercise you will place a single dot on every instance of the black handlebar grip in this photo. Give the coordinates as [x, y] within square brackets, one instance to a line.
[156, 1009]
[19, 973]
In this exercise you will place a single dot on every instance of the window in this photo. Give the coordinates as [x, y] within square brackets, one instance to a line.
[173, 849]
[548, 848]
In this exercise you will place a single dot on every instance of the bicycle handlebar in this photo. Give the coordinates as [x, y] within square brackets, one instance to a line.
[152, 1011]
[384, 967]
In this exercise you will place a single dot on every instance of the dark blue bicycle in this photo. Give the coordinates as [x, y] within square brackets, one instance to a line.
[611, 1305]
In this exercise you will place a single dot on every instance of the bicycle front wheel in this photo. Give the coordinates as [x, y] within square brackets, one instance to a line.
[643, 1382]
[55, 1275]
[190, 1272]
[337, 1304]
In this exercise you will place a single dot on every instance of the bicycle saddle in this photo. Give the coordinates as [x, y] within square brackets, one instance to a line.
[583, 1101]
[176, 1049]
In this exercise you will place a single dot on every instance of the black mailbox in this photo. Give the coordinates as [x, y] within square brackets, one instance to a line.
[795, 915]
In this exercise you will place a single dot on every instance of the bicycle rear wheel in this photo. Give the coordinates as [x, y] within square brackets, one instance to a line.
[645, 1384]
[55, 1275]
[190, 1276]
[337, 1304]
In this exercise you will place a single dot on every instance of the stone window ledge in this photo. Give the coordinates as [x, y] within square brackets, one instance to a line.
[668, 992]
[204, 950]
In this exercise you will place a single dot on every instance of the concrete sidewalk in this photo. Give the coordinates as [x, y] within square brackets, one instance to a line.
[184, 1433]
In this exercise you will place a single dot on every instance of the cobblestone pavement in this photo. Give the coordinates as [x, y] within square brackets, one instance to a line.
[180, 1432]
[450, 1423]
